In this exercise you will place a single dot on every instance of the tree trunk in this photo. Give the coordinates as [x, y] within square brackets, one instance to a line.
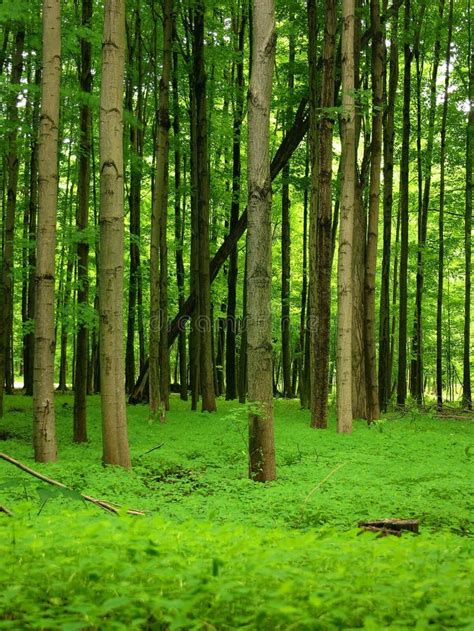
[442, 187]
[44, 431]
[82, 222]
[111, 263]
[344, 276]
[259, 270]
[157, 321]
[286, 236]
[320, 334]
[239, 24]
[12, 164]
[377, 66]
[136, 157]
[467, 393]
[32, 220]
[404, 190]
[206, 370]
[179, 227]
[388, 151]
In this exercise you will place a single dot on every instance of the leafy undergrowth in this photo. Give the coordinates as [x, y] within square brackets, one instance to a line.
[217, 551]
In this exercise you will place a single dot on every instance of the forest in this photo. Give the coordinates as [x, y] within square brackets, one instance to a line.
[236, 334]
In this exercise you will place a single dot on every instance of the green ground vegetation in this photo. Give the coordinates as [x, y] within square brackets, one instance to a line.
[218, 551]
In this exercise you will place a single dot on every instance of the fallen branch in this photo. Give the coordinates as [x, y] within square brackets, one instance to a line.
[107, 506]
[4, 509]
[320, 484]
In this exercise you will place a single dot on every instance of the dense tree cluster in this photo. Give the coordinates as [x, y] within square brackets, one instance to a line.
[141, 140]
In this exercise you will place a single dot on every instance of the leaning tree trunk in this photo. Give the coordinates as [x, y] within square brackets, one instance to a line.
[320, 334]
[44, 431]
[404, 190]
[82, 222]
[111, 263]
[259, 244]
[373, 411]
[442, 188]
[344, 276]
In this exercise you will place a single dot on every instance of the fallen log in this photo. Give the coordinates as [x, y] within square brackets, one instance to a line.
[105, 505]
[4, 509]
[390, 526]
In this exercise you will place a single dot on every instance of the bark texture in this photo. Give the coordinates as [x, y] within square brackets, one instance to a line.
[44, 431]
[111, 263]
[259, 250]
[344, 276]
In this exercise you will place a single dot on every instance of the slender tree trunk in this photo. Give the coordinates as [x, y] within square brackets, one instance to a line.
[230, 353]
[162, 191]
[259, 274]
[44, 431]
[111, 263]
[404, 186]
[157, 322]
[32, 215]
[136, 157]
[467, 393]
[442, 189]
[322, 280]
[344, 279]
[286, 236]
[303, 386]
[373, 410]
[12, 164]
[179, 228]
[82, 222]
[206, 369]
[388, 151]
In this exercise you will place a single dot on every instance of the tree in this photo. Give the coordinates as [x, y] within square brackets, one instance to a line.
[467, 393]
[385, 365]
[206, 370]
[44, 431]
[111, 264]
[322, 241]
[157, 322]
[239, 26]
[6, 286]
[442, 196]
[259, 263]
[82, 220]
[377, 66]
[344, 274]
[404, 190]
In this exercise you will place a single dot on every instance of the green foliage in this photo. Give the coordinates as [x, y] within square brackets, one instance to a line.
[217, 550]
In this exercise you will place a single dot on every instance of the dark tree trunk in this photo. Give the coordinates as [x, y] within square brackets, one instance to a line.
[442, 189]
[82, 220]
[320, 334]
[388, 141]
[467, 393]
[404, 186]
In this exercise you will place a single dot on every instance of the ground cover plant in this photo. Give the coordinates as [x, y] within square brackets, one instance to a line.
[216, 550]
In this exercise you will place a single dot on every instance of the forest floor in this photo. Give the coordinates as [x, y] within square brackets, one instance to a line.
[218, 551]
